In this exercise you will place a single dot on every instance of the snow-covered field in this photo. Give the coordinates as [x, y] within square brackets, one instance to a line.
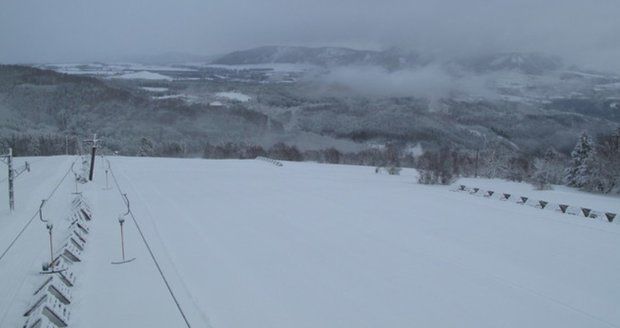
[143, 75]
[154, 89]
[232, 95]
[250, 244]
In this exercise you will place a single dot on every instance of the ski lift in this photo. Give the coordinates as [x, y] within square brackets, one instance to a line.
[121, 221]
[48, 268]
[77, 179]
[107, 185]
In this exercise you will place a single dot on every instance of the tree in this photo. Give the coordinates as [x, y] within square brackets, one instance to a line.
[581, 162]
[172, 149]
[332, 155]
[542, 175]
[603, 167]
[519, 168]
[436, 167]
[594, 177]
[284, 152]
[254, 151]
[146, 147]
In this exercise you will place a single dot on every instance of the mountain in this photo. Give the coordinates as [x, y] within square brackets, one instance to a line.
[392, 59]
[324, 56]
[527, 63]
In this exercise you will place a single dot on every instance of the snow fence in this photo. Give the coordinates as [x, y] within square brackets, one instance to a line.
[540, 204]
[269, 160]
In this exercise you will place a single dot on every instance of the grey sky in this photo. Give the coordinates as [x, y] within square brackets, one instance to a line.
[584, 32]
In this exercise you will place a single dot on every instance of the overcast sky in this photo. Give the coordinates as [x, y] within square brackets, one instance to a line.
[584, 32]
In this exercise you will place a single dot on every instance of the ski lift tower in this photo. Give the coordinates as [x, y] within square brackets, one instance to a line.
[8, 160]
[94, 143]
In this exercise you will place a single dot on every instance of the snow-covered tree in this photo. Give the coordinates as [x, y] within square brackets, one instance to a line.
[594, 175]
[548, 169]
[542, 176]
[582, 158]
[436, 167]
[604, 166]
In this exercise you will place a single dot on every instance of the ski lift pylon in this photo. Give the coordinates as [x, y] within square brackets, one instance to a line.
[121, 221]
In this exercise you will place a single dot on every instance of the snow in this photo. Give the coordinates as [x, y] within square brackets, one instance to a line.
[232, 95]
[169, 97]
[250, 244]
[415, 151]
[608, 86]
[276, 67]
[144, 75]
[179, 96]
[155, 89]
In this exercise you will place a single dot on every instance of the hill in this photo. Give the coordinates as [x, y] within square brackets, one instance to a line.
[323, 56]
[247, 243]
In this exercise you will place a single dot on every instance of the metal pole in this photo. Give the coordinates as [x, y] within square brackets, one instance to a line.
[49, 229]
[92, 164]
[122, 241]
[11, 178]
[92, 158]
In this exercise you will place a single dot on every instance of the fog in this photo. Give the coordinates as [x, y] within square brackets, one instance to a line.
[430, 81]
[583, 32]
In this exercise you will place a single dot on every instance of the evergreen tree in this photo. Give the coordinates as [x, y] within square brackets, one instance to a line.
[581, 162]
[603, 167]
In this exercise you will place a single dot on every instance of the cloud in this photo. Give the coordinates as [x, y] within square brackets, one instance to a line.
[584, 32]
[431, 81]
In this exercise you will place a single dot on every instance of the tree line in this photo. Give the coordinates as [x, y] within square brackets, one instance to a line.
[593, 164]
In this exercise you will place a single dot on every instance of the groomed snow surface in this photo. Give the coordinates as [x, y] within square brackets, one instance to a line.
[250, 244]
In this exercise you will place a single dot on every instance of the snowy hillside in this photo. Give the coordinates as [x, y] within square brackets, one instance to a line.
[252, 244]
[322, 56]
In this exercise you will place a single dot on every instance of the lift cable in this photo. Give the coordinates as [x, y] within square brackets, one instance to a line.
[148, 247]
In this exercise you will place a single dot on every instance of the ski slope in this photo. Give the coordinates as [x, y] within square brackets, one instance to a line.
[250, 244]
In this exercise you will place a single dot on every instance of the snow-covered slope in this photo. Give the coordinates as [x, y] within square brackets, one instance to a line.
[251, 244]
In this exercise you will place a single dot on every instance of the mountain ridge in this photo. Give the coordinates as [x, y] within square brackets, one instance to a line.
[535, 63]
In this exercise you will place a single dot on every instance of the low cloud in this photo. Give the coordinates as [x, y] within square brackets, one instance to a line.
[432, 82]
